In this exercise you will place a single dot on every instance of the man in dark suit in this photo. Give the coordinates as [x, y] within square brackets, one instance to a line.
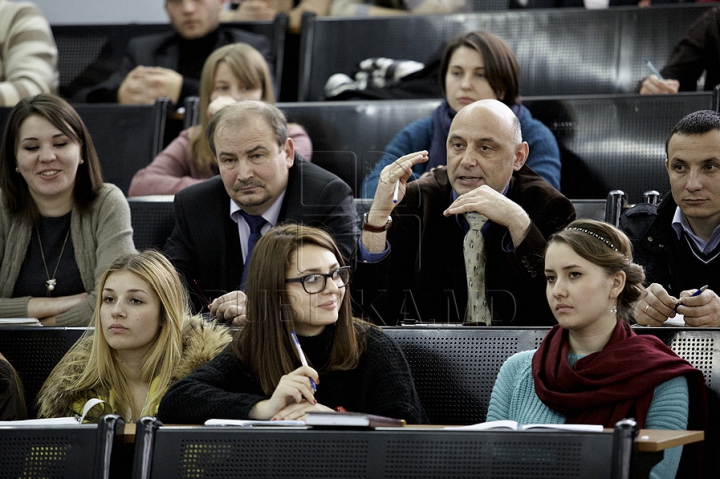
[260, 177]
[169, 64]
[424, 277]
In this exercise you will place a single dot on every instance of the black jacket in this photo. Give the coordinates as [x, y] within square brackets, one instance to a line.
[163, 50]
[656, 247]
[205, 244]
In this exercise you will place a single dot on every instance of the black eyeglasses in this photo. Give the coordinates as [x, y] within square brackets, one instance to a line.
[315, 283]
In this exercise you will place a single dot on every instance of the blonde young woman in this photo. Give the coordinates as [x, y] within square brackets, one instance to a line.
[231, 74]
[144, 339]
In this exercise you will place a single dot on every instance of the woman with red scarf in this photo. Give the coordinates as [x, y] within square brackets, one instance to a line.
[592, 368]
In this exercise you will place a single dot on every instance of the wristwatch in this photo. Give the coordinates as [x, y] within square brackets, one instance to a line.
[376, 229]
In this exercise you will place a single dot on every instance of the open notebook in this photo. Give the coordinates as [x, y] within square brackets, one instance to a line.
[252, 423]
[516, 426]
[56, 420]
[19, 322]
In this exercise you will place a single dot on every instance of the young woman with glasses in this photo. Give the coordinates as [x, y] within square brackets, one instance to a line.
[297, 283]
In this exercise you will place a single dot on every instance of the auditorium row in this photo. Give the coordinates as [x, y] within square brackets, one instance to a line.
[595, 51]
[454, 370]
[607, 142]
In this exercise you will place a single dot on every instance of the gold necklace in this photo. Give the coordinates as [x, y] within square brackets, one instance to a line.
[51, 282]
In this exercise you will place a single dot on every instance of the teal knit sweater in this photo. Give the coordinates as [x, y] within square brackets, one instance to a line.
[513, 397]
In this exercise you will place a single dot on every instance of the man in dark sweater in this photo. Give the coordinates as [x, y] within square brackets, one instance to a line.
[678, 241]
[169, 64]
[425, 257]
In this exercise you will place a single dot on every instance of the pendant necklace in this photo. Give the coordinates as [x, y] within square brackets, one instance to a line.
[51, 282]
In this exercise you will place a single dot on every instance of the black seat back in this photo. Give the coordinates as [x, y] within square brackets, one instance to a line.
[455, 368]
[34, 352]
[350, 137]
[563, 51]
[610, 142]
[58, 451]
[153, 219]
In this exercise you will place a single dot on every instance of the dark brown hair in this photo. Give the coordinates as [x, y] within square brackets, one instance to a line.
[264, 343]
[57, 111]
[585, 237]
[501, 67]
[696, 123]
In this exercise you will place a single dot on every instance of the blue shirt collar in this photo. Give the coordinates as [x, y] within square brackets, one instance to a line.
[680, 224]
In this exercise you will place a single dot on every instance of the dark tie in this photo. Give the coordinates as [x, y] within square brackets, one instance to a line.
[256, 223]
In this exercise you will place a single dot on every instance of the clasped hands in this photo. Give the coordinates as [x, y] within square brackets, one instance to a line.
[143, 85]
[657, 306]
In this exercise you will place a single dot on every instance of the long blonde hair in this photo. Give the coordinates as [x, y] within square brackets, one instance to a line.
[249, 66]
[99, 363]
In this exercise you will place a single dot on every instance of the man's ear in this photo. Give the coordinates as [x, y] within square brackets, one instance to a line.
[521, 153]
[289, 149]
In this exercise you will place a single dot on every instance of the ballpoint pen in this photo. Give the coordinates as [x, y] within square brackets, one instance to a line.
[654, 70]
[696, 293]
[397, 191]
[302, 356]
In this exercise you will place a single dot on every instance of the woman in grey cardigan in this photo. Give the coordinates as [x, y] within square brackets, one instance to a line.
[60, 226]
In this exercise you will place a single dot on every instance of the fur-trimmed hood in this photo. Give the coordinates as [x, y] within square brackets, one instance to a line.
[201, 342]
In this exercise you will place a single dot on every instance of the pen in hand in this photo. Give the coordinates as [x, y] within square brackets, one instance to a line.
[302, 356]
[397, 191]
[654, 70]
[696, 293]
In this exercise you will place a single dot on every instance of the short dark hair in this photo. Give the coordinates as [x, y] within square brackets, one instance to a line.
[57, 111]
[501, 66]
[237, 112]
[696, 123]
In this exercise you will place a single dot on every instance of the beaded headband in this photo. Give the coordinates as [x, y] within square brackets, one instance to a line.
[592, 233]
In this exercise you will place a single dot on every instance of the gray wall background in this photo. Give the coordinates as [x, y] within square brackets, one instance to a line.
[63, 12]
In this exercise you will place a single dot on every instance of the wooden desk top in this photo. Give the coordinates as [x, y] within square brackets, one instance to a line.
[654, 440]
[647, 440]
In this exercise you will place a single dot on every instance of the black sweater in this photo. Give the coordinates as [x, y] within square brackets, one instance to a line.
[225, 388]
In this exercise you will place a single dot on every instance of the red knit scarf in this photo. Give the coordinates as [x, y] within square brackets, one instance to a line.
[609, 385]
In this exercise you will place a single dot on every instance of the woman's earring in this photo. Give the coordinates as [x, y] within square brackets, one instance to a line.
[82, 161]
[17, 169]
[613, 310]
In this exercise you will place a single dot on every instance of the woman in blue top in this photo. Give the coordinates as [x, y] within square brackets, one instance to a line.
[592, 368]
[474, 66]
